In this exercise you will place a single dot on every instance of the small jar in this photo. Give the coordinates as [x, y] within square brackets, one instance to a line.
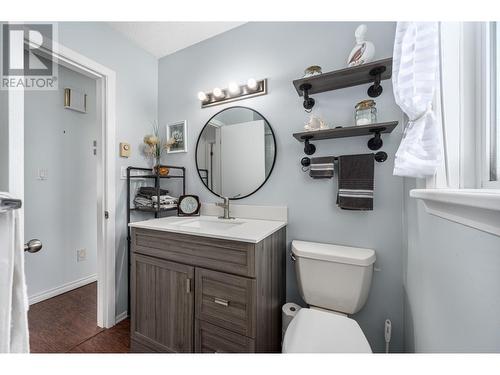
[366, 112]
[312, 70]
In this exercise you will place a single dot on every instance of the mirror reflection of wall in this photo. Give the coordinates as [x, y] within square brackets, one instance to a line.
[235, 152]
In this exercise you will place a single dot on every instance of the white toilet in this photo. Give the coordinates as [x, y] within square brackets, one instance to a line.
[335, 281]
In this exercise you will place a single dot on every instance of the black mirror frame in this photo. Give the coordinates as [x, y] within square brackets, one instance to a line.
[274, 159]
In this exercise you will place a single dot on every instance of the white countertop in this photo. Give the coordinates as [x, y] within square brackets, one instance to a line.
[245, 230]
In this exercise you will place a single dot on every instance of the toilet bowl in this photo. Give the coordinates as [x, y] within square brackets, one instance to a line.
[316, 331]
[334, 281]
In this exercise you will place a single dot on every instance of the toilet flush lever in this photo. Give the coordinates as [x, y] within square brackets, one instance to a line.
[292, 257]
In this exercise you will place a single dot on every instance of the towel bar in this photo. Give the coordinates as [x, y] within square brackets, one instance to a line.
[10, 204]
[379, 157]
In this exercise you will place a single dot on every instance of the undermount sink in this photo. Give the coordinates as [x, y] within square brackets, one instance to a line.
[216, 224]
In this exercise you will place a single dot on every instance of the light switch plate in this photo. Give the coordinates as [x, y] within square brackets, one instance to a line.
[124, 150]
[43, 174]
[81, 255]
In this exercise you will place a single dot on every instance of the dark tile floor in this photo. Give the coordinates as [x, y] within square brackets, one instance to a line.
[67, 323]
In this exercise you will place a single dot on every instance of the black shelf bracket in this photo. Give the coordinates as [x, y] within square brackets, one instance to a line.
[376, 142]
[309, 148]
[376, 89]
[308, 102]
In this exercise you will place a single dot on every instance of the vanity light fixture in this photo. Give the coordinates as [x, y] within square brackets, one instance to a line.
[202, 96]
[234, 88]
[234, 92]
[252, 84]
[218, 93]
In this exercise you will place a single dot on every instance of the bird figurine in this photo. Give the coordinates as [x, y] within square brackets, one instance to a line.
[363, 51]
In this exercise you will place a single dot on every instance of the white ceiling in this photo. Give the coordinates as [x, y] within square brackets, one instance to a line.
[163, 38]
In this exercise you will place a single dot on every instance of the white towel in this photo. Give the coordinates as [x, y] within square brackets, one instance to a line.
[164, 199]
[13, 295]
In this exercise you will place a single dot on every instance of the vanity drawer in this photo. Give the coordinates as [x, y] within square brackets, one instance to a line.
[212, 339]
[227, 301]
[222, 255]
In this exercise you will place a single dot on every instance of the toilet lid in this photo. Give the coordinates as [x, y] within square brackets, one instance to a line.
[315, 331]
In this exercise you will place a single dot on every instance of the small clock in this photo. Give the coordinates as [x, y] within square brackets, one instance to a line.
[189, 205]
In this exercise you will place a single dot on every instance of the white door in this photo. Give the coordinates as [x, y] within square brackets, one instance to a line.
[12, 167]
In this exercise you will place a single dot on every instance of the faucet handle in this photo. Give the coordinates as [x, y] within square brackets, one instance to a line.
[223, 204]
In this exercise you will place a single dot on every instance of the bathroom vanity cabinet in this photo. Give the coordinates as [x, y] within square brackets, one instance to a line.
[200, 294]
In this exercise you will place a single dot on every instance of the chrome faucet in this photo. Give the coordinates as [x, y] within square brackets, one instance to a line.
[225, 205]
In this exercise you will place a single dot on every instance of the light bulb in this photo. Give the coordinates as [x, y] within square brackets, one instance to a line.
[202, 96]
[252, 83]
[218, 93]
[234, 88]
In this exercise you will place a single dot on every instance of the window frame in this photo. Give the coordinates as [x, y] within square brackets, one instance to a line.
[486, 110]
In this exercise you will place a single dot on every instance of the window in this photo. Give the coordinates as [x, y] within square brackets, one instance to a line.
[468, 105]
[490, 144]
[493, 125]
[466, 189]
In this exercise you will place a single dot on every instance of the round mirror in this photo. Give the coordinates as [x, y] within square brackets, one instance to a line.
[235, 152]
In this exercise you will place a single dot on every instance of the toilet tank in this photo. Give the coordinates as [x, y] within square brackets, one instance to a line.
[333, 277]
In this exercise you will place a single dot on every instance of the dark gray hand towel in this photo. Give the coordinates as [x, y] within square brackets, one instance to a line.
[356, 182]
[149, 191]
[321, 167]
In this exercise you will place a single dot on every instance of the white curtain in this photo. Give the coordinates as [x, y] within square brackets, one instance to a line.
[415, 80]
[13, 296]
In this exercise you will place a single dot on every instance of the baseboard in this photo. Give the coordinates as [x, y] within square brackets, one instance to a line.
[121, 316]
[39, 297]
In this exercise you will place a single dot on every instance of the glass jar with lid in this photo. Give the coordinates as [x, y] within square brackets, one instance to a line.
[366, 112]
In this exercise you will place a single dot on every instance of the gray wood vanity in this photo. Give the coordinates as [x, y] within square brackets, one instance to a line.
[194, 293]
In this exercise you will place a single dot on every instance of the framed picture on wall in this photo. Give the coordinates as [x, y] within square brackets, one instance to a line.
[178, 131]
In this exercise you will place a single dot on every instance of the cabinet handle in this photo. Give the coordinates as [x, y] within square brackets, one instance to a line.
[221, 301]
[188, 285]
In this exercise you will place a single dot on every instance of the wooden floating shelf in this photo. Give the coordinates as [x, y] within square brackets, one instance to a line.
[348, 77]
[348, 131]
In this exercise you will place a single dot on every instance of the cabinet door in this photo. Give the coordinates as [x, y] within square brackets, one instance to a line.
[214, 339]
[162, 304]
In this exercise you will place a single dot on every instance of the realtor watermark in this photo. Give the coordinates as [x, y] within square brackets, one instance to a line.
[27, 61]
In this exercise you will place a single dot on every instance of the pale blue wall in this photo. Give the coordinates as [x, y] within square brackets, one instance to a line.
[452, 285]
[280, 52]
[136, 108]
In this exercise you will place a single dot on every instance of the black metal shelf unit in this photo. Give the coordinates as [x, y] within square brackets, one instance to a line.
[178, 173]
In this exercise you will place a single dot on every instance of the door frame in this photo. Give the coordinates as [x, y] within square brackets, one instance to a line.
[106, 192]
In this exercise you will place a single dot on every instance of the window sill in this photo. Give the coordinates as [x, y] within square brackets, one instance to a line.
[476, 208]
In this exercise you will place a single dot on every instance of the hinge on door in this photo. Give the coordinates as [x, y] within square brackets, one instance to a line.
[106, 214]
[188, 285]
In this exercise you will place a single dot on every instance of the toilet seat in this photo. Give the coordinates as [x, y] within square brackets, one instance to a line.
[315, 331]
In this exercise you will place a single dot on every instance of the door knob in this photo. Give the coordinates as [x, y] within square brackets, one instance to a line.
[33, 246]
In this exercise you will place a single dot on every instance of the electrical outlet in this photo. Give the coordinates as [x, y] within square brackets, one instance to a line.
[81, 255]
[123, 174]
